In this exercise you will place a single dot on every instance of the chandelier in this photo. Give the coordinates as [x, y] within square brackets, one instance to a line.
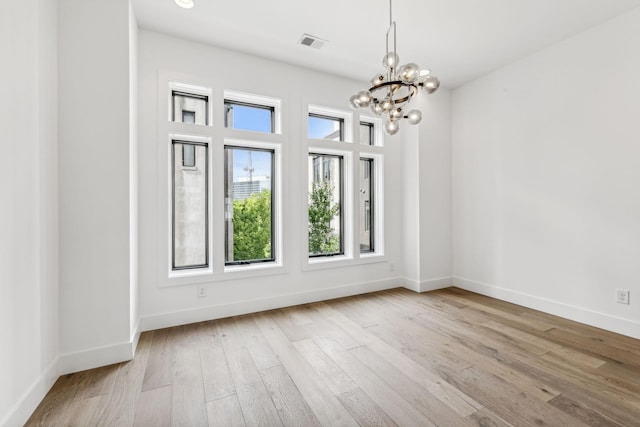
[393, 90]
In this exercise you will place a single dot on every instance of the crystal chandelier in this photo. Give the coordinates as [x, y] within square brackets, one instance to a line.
[392, 91]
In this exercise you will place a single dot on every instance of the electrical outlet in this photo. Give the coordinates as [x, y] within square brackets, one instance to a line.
[391, 266]
[202, 291]
[622, 296]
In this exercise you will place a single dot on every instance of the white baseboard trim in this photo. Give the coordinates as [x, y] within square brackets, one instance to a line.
[166, 320]
[427, 285]
[24, 407]
[605, 321]
[96, 357]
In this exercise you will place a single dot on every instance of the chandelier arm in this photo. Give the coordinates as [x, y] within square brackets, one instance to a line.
[412, 91]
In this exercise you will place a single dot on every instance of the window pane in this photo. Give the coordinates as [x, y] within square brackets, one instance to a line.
[189, 108]
[248, 204]
[248, 117]
[325, 199]
[366, 205]
[190, 205]
[188, 155]
[188, 116]
[366, 133]
[324, 127]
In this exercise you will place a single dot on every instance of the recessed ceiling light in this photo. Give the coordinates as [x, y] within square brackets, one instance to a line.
[186, 4]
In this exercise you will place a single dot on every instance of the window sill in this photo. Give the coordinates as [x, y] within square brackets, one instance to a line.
[341, 261]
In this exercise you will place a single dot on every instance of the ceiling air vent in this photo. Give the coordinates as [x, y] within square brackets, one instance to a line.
[311, 41]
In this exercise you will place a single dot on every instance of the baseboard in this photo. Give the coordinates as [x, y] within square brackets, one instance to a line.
[96, 357]
[22, 410]
[608, 322]
[427, 285]
[166, 320]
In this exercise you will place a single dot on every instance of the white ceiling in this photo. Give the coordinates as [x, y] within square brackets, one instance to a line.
[459, 40]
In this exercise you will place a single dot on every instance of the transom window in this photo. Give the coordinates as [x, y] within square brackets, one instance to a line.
[247, 116]
[189, 107]
[326, 127]
[367, 134]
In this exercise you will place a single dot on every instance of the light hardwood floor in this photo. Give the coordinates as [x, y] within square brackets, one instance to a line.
[445, 358]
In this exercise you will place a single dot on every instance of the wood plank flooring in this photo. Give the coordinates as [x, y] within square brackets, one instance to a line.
[444, 358]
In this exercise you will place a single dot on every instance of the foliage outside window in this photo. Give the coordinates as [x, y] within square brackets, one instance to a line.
[325, 213]
[249, 205]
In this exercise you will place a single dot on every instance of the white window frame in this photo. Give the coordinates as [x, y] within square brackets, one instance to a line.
[192, 272]
[346, 208]
[378, 206]
[276, 208]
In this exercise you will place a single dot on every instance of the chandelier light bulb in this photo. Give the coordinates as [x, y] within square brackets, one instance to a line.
[353, 102]
[376, 108]
[386, 104]
[391, 127]
[409, 73]
[431, 84]
[363, 99]
[390, 60]
[425, 72]
[414, 117]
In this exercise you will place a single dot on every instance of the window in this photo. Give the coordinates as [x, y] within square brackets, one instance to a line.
[189, 107]
[326, 221]
[249, 216]
[190, 204]
[188, 155]
[247, 116]
[367, 133]
[326, 127]
[365, 207]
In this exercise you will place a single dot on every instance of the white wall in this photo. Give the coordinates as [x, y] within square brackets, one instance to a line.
[297, 87]
[28, 212]
[133, 176]
[95, 183]
[426, 211]
[546, 166]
